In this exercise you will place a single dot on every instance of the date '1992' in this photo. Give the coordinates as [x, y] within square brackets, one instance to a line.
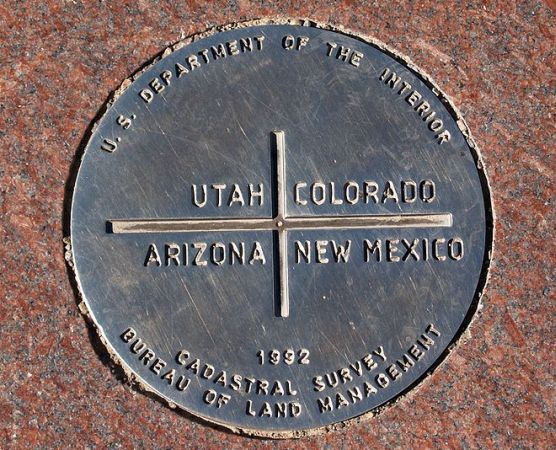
[288, 356]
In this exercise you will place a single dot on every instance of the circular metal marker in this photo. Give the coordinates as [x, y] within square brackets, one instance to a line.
[280, 227]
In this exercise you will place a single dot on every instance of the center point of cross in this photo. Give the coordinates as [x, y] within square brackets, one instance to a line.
[279, 223]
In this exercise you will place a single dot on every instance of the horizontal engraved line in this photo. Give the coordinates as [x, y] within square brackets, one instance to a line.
[372, 221]
[121, 226]
[188, 225]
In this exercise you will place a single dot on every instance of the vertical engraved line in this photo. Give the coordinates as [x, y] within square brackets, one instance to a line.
[280, 142]
[280, 145]
[283, 261]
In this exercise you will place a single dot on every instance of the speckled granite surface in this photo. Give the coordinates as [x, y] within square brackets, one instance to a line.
[59, 62]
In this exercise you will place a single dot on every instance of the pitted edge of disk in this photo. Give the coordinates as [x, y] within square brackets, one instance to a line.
[463, 334]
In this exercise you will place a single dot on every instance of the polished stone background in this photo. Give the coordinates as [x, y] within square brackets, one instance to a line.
[59, 60]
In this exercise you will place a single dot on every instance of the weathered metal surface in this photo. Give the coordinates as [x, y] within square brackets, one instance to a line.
[278, 228]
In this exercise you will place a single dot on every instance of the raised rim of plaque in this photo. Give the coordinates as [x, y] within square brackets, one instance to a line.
[118, 365]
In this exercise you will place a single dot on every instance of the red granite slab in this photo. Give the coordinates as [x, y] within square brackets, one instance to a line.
[59, 60]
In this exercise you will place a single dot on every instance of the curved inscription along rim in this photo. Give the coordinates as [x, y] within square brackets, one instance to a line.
[318, 323]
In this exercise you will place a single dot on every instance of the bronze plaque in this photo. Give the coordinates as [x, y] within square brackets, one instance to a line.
[279, 227]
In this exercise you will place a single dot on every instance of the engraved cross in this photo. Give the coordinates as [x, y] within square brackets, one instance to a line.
[281, 222]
